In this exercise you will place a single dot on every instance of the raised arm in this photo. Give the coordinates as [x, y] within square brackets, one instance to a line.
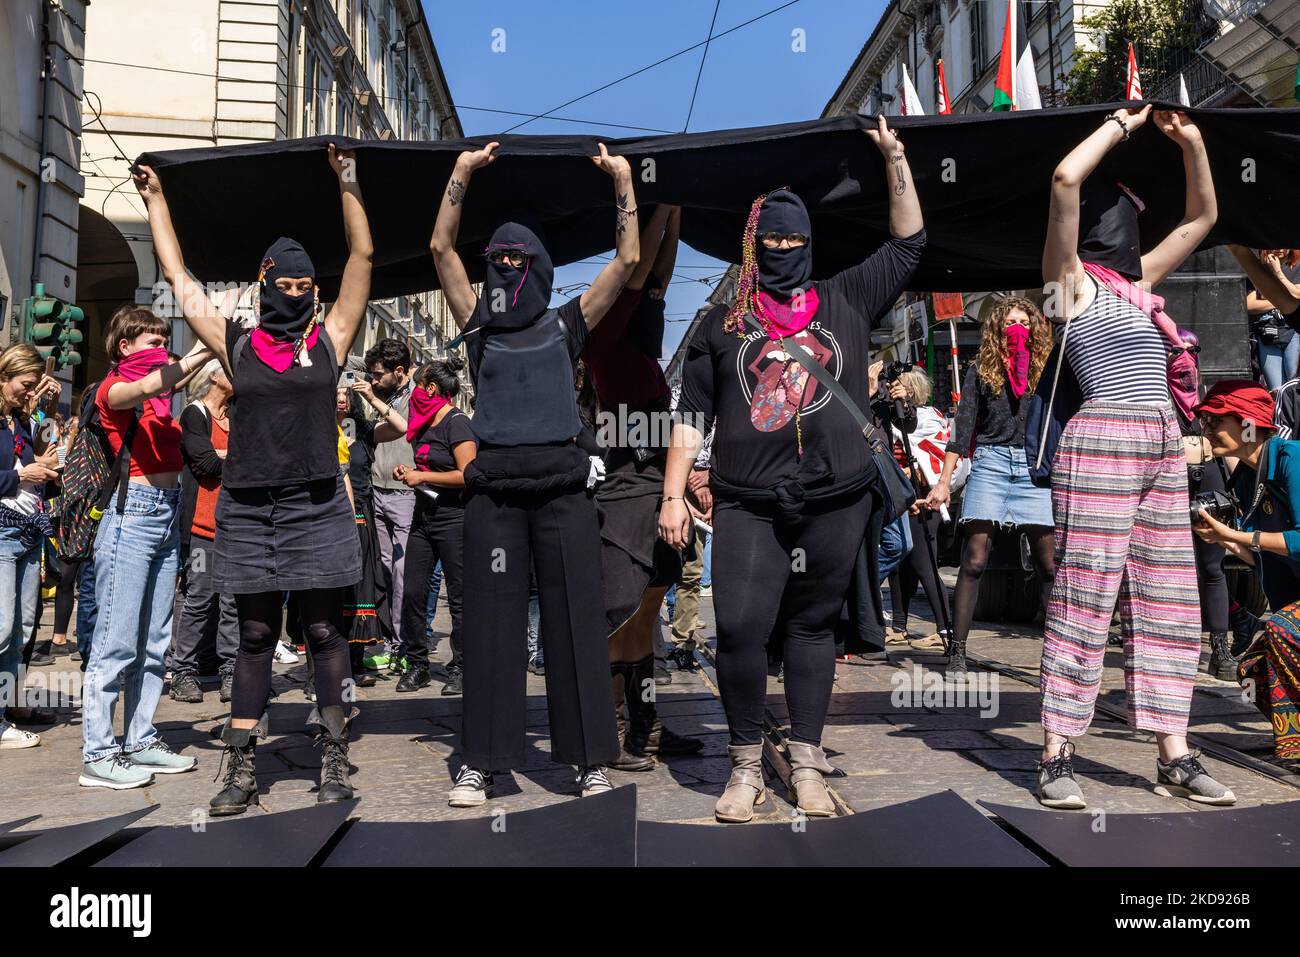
[124, 395]
[666, 259]
[392, 424]
[1266, 281]
[202, 316]
[600, 295]
[653, 240]
[452, 277]
[344, 318]
[1201, 209]
[904, 204]
[1061, 265]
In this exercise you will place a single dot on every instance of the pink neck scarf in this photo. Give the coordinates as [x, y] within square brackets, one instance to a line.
[421, 412]
[138, 365]
[279, 355]
[1153, 306]
[1017, 359]
[787, 318]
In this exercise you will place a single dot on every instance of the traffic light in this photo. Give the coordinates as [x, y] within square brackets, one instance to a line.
[50, 325]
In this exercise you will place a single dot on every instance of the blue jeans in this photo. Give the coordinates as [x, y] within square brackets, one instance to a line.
[136, 555]
[1278, 363]
[431, 608]
[706, 576]
[895, 543]
[20, 573]
[86, 610]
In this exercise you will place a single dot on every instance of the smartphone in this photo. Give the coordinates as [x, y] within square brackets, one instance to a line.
[349, 379]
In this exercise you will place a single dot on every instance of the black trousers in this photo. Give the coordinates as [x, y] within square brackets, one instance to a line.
[555, 532]
[787, 582]
[437, 534]
[1209, 558]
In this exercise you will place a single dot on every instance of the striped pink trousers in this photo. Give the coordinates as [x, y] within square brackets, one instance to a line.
[1119, 496]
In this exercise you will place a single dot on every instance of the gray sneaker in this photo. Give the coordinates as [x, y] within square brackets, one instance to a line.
[115, 772]
[1185, 778]
[161, 759]
[1056, 784]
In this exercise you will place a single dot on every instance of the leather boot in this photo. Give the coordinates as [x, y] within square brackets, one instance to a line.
[333, 740]
[807, 783]
[620, 677]
[1222, 664]
[239, 787]
[745, 789]
[650, 732]
[956, 666]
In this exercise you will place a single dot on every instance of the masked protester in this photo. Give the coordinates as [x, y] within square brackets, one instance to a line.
[622, 355]
[1015, 342]
[283, 519]
[1119, 482]
[790, 473]
[526, 501]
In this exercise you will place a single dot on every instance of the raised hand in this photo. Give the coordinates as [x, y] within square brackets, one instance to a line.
[613, 165]
[344, 164]
[1178, 126]
[886, 140]
[471, 160]
[147, 182]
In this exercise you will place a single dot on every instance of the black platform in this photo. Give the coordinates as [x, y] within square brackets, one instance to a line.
[591, 832]
[1266, 836]
[254, 839]
[937, 830]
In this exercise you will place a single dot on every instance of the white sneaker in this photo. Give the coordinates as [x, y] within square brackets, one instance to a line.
[284, 655]
[592, 781]
[13, 739]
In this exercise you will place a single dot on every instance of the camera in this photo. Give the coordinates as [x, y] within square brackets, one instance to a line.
[1218, 505]
[894, 370]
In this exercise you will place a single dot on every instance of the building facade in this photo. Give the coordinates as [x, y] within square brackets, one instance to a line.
[41, 71]
[164, 75]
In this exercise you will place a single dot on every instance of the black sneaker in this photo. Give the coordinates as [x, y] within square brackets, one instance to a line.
[471, 787]
[683, 658]
[454, 684]
[364, 679]
[40, 659]
[186, 688]
[414, 680]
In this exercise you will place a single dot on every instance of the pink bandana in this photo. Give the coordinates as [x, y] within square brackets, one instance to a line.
[1017, 359]
[279, 355]
[1153, 306]
[138, 365]
[787, 318]
[422, 410]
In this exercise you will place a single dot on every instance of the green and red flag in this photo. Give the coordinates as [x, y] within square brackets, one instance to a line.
[1016, 87]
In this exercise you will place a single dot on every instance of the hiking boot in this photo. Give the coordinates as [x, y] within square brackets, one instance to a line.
[1056, 784]
[1185, 778]
[227, 685]
[332, 737]
[455, 683]
[185, 687]
[239, 786]
[1223, 665]
[956, 667]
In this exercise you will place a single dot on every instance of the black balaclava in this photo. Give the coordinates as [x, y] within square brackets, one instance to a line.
[646, 330]
[516, 298]
[782, 272]
[282, 316]
[1108, 227]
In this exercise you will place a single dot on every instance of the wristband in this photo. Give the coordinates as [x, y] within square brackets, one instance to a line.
[672, 498]
[1254, 542]
[1122, 125]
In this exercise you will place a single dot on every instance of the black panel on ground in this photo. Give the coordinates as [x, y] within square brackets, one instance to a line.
[1266, 836]
[588, 832]
[57, 844]
[255, 839]
[6, 826]
[937, 830]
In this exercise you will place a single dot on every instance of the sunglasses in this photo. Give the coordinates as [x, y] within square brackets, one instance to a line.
[773, 240]
[507, 257]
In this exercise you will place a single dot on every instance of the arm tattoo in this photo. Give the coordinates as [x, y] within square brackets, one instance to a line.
[455, 192]
[621, 221]
[901, 187]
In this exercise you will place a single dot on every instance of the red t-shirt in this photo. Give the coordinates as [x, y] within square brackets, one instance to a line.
[205, 502]
[622, 373]
[156, 447]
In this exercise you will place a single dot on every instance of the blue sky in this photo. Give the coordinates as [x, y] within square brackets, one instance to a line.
[557, 50]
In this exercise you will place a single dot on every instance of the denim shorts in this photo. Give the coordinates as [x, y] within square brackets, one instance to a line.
[999, 490]
[286, 538]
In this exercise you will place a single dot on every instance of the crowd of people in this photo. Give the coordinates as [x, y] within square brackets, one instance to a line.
[307, 501]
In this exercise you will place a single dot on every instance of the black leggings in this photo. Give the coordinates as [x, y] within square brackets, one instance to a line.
[261, 616]
[916, 568]
[1209, 558]
[975, 558]
[786, 582]
[65, 595]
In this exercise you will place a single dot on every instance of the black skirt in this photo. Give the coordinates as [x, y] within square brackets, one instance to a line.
[286, 538]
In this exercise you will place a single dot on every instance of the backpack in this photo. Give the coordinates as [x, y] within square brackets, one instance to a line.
[91, 473]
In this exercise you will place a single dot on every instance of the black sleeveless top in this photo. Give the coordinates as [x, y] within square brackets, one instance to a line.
[523, 378]
[283, 429]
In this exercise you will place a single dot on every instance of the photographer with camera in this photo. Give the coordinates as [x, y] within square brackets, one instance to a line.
[1237, 416]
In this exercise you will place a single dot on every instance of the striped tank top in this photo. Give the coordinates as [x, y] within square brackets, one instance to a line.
[1117, 353]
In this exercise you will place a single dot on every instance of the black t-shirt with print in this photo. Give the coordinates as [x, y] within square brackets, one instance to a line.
[753, 390]
[433, 450]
